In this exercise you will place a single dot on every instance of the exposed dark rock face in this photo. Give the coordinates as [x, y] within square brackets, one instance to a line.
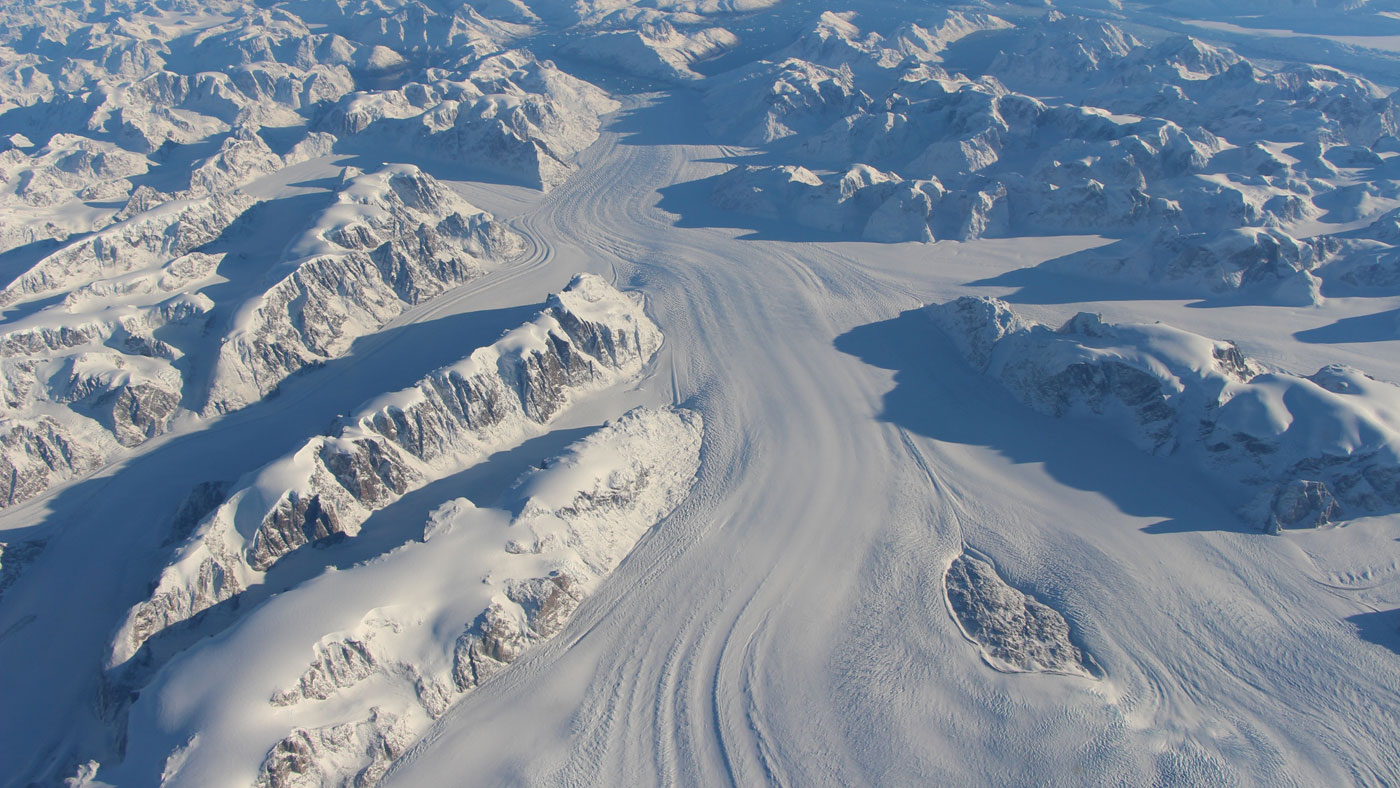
[1016, 632]
[35, 455]
[409, 239]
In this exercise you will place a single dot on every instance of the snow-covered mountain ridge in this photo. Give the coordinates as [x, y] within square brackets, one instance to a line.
[732, 392]
[1305, 451]
[590, 336]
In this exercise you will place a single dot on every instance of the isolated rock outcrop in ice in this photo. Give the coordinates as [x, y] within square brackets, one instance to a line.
[1017, 633]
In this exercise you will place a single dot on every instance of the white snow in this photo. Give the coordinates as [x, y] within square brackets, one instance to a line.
[1191, 358]
[405, 613]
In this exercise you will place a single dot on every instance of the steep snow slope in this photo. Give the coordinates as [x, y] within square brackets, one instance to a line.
[398, 640]
[589, 337]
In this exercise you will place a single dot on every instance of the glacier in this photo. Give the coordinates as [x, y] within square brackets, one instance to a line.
[733, 392]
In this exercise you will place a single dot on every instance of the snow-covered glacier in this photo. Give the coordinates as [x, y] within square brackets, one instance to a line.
[715, 392]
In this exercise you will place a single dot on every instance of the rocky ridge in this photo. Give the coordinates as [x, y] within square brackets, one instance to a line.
[589, 336]
[85, 379]
[581, 515]
[393, 239]
[1205, 179]
[1290, 451]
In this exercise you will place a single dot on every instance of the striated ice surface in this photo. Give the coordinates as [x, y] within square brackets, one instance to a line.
[298, 489]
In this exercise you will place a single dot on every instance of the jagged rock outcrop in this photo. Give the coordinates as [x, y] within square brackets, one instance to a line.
[596, 521]
[1186, 164]
[37, 454]
[655, 49]
[242, 157]
[1063, 169]
[1017, 633]
[147, 240]
[394, 238]
[69, 167]
[143, 176]
[362, 751]
[511, 115]
[76, 394]
[836, 39]
[341, 663]
[1365, 261]
[1291, 451]
[789, 98]
[1268, 266]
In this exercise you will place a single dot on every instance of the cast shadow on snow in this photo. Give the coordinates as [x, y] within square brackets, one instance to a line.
[253, 246]
[1038, 285]
[305, 405]
[1378, 327]
[369, 158]
[690, 203]
[937, 395]
[667, 119]
[1381, 628]
[401, 522]
[17, 260]
[1055, 282]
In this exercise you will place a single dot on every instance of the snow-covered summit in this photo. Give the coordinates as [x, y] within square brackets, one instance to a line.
[1292, 450]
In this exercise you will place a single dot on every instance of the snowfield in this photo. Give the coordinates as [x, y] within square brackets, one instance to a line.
[699, 393]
